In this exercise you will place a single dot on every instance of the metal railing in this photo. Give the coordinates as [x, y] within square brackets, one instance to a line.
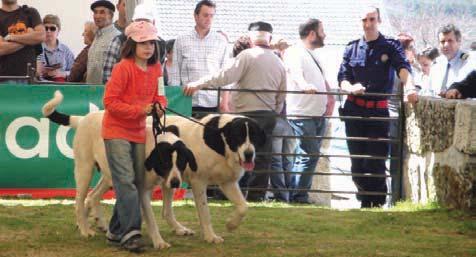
[395, 175]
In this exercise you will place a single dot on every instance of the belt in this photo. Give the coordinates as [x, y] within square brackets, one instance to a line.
[367, 103]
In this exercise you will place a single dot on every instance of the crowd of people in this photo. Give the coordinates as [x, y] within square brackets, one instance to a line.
[117, 54]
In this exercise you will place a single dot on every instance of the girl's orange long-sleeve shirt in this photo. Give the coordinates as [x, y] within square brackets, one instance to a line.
[127, 93]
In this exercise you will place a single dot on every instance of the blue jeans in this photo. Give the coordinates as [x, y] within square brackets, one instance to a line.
[282, 163]
[126, 162]
[305, 164]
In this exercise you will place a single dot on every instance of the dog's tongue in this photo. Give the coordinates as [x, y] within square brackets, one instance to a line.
[248, 166]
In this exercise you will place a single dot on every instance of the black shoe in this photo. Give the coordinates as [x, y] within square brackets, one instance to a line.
[134, 244]
[112, 242]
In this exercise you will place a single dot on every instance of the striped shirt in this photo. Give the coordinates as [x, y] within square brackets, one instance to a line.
[97, 53]
[194, 58]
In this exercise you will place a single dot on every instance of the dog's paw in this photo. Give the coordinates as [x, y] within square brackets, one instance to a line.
[101, 226]
[161, 245]
[88, 232]
[232, 224]
[183, 231]
[214, 239]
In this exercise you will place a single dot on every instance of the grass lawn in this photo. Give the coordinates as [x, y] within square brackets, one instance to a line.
[270, 229]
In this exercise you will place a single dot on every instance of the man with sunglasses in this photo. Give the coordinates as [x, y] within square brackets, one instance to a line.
[20, 31]
[368, 66]
[57, 59]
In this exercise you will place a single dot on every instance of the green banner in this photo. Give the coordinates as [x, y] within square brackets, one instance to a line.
[36, 153]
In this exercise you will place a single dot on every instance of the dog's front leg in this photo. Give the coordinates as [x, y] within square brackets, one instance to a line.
[151, 224]
[199, 194]
[168, 213]
[93, 202]
[233, 193]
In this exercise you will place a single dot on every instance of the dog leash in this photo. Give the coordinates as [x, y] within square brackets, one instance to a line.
[190, 119]
[157, 126]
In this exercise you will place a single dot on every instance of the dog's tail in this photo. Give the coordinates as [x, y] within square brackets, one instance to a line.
[49, 111]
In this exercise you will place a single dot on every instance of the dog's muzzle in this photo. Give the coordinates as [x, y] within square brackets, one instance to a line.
[248, 156]
[248, 164]
[174, 183]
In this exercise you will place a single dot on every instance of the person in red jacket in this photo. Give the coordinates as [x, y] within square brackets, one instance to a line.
[129, 96]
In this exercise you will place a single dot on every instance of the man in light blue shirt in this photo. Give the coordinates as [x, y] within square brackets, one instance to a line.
[453, 65]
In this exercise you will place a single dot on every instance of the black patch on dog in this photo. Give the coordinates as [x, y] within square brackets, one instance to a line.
[173, 129]
[184, 156]
[212, 136]
[59, 118]
[160, 159]
[235, 133]
[257, 134]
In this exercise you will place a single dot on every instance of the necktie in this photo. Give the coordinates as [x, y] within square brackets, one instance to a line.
[445, 79]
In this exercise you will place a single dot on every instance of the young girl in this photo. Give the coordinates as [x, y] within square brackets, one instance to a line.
[128, 98]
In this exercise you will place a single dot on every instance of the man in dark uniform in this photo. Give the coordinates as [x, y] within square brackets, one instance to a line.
[369, 65]
[463, 89]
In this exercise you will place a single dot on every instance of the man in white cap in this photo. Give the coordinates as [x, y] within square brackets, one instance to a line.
[256, 68]
[142, 12]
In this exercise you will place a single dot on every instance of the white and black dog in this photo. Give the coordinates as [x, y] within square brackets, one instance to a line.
[168, 159]
[224, 146]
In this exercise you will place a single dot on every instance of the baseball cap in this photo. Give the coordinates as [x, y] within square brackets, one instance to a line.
[141, 31]
[143, 11]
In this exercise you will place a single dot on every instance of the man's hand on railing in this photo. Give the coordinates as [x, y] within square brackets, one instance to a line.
[310, 91]
[191, 88]
[355, 89]
[412, 97]
[453, 94]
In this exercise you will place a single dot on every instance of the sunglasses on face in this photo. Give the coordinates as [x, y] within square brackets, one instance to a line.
[50, 28]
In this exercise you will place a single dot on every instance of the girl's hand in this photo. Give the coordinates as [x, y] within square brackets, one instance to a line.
[148, 109]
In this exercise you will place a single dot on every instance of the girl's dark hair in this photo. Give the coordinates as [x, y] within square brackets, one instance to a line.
[129, 51]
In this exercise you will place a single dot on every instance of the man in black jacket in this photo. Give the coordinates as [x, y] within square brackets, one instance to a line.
[463, 89]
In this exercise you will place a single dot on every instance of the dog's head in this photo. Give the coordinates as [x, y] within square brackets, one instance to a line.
[169, 159]
[243, 135]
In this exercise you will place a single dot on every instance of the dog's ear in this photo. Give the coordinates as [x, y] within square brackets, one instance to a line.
[160, 159]
[152, 161]
[172, 129]
[185, 156]
[192, 163]
[212, 136]
[257, 134]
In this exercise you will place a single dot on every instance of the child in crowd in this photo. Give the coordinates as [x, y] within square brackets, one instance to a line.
[129, 97]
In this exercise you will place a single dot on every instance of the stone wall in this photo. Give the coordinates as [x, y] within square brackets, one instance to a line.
[441, 160]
